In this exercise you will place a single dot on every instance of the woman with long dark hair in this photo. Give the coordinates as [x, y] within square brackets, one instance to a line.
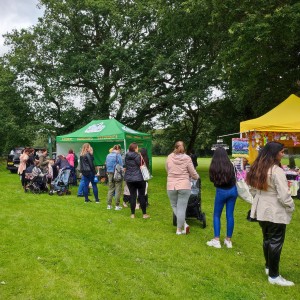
[221, 173]
[272, 206]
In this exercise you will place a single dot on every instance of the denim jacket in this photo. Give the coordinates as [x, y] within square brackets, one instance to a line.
[112, 159]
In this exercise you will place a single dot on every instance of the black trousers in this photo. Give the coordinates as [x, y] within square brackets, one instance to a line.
[133, 187]
[273, 239]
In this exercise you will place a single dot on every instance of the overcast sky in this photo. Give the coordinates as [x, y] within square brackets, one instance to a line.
[17, 14]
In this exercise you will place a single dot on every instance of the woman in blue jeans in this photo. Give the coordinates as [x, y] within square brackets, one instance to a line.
[221, 173]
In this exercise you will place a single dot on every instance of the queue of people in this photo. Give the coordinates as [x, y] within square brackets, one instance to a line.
[272, 206]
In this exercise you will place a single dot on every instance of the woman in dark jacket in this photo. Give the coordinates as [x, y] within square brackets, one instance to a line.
[134, 179]
[88, 171]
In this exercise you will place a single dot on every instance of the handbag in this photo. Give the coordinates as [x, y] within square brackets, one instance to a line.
[144, 170]
[242, 187]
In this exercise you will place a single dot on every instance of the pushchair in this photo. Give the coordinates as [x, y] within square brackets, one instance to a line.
[35, 180]
[193, 209]
[60, 184]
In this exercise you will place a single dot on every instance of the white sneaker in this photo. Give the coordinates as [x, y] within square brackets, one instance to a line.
[178, 232]
[108, 206]
[280, 281]
[227, 243]
[214, 243]
[186, 229]
[118, 208]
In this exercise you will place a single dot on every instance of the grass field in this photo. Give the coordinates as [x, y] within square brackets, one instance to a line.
[54, 247]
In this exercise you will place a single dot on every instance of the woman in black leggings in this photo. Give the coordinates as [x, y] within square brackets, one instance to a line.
[134, 179]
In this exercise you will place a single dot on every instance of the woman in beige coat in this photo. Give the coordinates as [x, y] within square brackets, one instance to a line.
[272, 206]
[180, 169]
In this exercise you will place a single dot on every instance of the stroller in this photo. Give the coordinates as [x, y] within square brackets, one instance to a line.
[35, 180]
[60, 184]
[193, 209]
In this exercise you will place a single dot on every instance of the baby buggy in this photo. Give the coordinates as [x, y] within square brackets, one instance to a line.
[35, 180]
[60, 184]
[193, 209]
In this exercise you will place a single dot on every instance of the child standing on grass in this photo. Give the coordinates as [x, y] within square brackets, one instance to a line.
[221, 173]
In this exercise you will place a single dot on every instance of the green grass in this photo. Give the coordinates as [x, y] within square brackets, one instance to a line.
[55, 247]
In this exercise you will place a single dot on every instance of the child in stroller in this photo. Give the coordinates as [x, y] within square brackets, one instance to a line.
[60, 184]
[35, 179]
[193, 209]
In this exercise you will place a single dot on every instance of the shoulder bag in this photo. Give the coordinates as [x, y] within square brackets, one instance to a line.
[242, 187]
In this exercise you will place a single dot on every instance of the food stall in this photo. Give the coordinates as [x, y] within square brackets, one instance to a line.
[281, 124]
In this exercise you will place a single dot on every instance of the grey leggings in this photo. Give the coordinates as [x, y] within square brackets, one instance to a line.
[179, 200]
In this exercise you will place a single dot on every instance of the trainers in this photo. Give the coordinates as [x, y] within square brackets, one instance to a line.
[186, 229]
[97, 201]
[280, 281]
[108, 206]
[124, 204]
[118, 208]
[88, 200]
[267, 271]
[178, 232]
[214, 243]
[227, 243]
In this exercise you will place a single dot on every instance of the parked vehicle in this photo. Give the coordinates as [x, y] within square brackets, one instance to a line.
[13, 159]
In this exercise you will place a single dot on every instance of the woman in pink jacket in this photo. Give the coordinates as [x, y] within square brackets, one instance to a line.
[180, 169]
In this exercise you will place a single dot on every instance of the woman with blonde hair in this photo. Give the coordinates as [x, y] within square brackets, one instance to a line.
[180, 169]
[272, 206]
[88, 171]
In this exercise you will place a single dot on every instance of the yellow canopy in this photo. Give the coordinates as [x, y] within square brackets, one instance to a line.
[285, 117]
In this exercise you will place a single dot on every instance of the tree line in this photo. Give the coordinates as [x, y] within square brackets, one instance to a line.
[194, 69]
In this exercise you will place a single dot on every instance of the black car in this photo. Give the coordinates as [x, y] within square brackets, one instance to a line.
[13, 159]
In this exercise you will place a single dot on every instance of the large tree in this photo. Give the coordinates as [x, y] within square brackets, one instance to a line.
[184, 73]
[88, 50]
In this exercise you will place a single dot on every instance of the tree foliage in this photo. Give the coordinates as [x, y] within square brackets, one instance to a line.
[158, 63]
[261, 57]
[17, 123]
